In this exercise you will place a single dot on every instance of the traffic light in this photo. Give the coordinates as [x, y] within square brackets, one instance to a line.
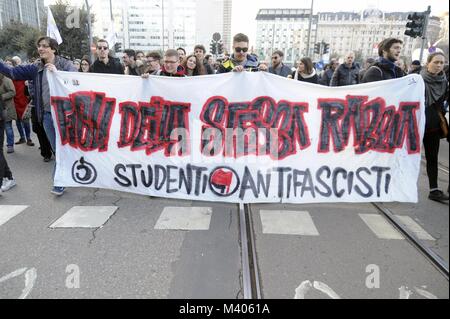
[213, 47]
[326, 48]
[118, 47]
[317, 48]
[415, 27]
[220, 47]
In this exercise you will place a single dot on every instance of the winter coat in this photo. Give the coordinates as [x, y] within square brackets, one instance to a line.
[312, 78]
[35, 72]
[20, 100]
[112, 67]
[345, 76]
[326, 77]
[283, 71]
[250, 65]
[7, 93]
[436, 93]
[382, 70]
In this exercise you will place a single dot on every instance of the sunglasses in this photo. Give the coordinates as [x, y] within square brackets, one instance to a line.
[102, 48]
[239, 50]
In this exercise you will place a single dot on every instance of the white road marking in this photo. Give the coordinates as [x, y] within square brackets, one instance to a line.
[30, 279]
[15, 273]
[305, 286]
[8, 211]
[415, 228]
[425, 293]
[405, 293]
[184, 218]
[303, 289]
[287, 223]
[380, 226]
[85, 217]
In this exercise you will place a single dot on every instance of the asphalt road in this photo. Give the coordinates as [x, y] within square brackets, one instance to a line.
[319, 251]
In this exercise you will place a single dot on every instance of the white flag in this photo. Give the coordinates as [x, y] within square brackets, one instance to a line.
[111, 37]
[52, 29]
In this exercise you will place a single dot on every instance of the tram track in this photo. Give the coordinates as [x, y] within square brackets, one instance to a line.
[251, 274]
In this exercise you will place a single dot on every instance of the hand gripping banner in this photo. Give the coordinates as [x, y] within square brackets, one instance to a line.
[239, 138]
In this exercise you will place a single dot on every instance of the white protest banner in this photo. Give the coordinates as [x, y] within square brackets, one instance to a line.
[240, 138]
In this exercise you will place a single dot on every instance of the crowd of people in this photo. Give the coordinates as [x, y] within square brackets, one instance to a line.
[25, 94]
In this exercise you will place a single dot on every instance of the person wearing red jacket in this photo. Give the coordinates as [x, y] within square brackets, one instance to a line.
[21, 102]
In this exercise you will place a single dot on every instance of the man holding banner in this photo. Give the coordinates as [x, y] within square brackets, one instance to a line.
[49, 60]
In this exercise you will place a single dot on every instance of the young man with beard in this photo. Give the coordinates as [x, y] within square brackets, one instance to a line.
[49, 61]
[240, 60]
[384, 68]
[278, 67]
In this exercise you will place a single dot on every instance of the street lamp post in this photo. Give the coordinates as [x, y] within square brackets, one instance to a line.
[88, 8]
[310, 27]
[162, 22]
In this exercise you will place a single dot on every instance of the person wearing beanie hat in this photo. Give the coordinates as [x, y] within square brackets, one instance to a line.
[415, 67]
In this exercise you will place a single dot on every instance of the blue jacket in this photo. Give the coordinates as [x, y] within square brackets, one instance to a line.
[35, 72]
[250, 65]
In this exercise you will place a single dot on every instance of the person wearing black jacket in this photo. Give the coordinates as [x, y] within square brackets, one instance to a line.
[347, 73]
[436, 93]
[384, 68]
[305, 71]
[106, 63]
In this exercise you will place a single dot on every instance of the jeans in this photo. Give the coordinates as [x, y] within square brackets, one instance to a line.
[9, 133]
[23, 126]
[49, 128]
[4, 168]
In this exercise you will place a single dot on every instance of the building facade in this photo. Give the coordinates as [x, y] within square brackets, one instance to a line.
[140, 24]
[362, 32]
[285, 30]
[28, 12]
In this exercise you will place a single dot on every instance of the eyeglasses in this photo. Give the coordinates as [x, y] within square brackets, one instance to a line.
[239, 50]
[85, 64]
[102, 48]
[170, 62]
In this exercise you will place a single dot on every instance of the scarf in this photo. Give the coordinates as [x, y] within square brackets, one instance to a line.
[306, 76]
[435, 86]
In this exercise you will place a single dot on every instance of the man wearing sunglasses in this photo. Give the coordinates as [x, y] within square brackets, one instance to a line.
[106, 63]
[240, 60]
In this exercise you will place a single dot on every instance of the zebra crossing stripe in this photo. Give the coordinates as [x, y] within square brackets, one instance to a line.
[287, 223]
[9, 211]
[380, 226]
[85, 217]
[414, 227]
[184, 218]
